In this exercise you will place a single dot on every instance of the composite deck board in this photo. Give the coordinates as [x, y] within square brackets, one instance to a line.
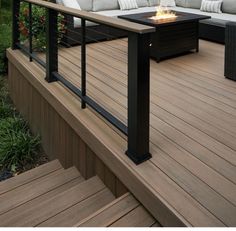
[193, 119]
[34, 189]
[80, 210]
[16, 217]
[193, 116]
[25, 178]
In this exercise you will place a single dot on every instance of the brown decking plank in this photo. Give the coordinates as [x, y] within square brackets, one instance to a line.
[223, 209]
[156, 224]
[35, 188]
[186, 211]
[206, 139]
[173, 115]
[110, 213]
[34, 216]
[210, 176]
[192, 79]
[79, 211]
[14, 217]
[29, 176]
[195, 134]
[197, 108]
[138, 217]
[197, 94]
[214, 144]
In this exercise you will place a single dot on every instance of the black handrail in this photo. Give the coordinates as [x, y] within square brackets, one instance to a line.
[138, 72]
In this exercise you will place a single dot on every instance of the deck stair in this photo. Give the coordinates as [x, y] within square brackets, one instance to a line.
[51, 196]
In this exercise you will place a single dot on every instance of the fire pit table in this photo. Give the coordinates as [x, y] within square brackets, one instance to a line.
[176, 32]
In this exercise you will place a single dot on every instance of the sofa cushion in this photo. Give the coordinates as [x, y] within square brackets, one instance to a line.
[116, 13]
[215, 22]
[195, 4]
[142, 3]
[211, 6]
[181, 3]
[77, 23]
[167, 3]
[229, 6]
[154, 2]
[71, 3]
[128, 4]
[223, 16]
[100, 5]
[86, 4]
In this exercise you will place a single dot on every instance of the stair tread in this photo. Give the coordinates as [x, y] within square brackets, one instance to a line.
[34, 216]
[139, 217]
[12, 217]
[110, 213]
[36, 188]
[29, 176]
[81, 210]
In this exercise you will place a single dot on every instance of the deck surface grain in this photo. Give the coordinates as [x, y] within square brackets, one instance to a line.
[192, 130]
[193, 121]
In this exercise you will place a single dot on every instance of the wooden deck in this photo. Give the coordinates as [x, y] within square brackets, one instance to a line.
[193, 121]
[50, 196]
[191, 178]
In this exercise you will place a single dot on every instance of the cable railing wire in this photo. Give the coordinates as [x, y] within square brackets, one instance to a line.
[138, 76]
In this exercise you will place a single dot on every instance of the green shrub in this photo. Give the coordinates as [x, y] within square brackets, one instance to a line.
[17, 145]
[5, 110]
[5, 37]
[38, 26]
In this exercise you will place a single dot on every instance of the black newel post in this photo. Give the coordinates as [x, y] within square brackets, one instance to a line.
[51, 44]
[83, 62]
[15, 23]
[30, 32]
[138, 97]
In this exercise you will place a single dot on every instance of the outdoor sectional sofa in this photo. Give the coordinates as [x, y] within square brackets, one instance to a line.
[211, 29]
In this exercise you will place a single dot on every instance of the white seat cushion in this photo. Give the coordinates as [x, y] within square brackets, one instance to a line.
[116, 13]
[71, 3]
[223, 16]
[167, 3]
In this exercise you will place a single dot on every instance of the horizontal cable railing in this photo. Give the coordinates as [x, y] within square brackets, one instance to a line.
[138, 64]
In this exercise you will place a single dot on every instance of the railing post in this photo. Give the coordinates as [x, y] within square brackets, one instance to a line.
[30, 32]
[138, 97]
[15, 23]
[83, 62]
[51, 44]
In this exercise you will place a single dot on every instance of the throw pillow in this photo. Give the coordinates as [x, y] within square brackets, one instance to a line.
[71, 3]
[211, 6]
[128, 4]
[167, 3]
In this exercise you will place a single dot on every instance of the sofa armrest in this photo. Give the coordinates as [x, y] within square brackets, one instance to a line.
[230, 50]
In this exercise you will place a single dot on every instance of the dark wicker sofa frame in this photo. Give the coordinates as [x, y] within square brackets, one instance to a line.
[214, 33]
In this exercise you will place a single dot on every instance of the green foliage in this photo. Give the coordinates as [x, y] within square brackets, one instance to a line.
[5, 34]
[17, 145]
[38, 25]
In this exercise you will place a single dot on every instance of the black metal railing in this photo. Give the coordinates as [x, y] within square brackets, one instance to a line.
[137, 129]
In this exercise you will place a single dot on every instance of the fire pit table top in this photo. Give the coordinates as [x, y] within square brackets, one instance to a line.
[146, 18]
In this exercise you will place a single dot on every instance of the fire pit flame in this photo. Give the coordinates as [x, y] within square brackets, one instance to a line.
[163, 13]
